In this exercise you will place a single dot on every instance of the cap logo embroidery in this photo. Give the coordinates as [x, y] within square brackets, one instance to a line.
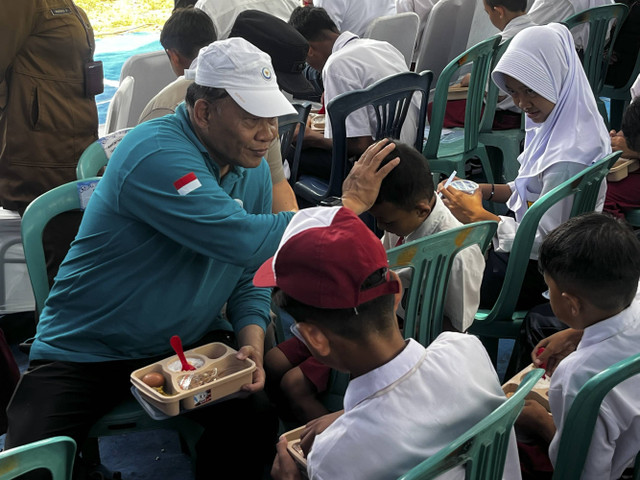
[266, 73]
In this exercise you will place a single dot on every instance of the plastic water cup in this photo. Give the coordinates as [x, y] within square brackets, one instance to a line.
[464, 185]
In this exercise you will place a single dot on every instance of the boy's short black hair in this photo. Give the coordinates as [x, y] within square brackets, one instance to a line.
[631, 125]
[410, 182]
[511, 5]
[376, 315]
[187, 31]
[595, 256]
[312, 22]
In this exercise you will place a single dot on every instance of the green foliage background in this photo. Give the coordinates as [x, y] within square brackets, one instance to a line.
[110, 17]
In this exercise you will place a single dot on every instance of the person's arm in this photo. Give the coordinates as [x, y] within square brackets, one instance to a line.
[618, 142]
[251, 343]
[535, 419]
[356, 146]
[206, 220]
[314, 428]
[16, 24]
[556, 347]
[466, 208]
[284, 200]
[284, 466]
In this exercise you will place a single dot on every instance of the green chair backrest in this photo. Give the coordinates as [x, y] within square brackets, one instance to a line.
[54, 454]
[286, 129]
[96, 155]
[481, 55]
[585, 187]
[596, 54]
[491, 99]
[70, 196]
[390, 99]
[581, 418]
[483, 448]
[431, 259]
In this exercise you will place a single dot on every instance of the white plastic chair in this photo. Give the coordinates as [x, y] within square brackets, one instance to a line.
[120, 106]
[445, 36]
[152, 72]
[399, 30]
[15, 290]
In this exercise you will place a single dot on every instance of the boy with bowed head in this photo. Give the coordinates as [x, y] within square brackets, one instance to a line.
[334, 278]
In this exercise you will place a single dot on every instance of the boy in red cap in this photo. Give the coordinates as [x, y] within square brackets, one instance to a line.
[333, 275]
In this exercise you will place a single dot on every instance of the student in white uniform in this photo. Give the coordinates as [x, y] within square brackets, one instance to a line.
[407, 209]
[564, 134]
[591, 264]
[355, 15]
[401, 405]
[348, 63]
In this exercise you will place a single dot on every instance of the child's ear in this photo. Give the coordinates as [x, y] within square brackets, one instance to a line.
[423, 208]
[573, 304]
[315, 338]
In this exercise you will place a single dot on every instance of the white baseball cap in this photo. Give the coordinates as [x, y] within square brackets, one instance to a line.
[245, 72]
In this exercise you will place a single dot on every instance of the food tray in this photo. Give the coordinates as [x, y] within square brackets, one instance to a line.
[539, 393]
[227, 375]
[621, 169]
[457, 92]
[293, 447]
[317, 121]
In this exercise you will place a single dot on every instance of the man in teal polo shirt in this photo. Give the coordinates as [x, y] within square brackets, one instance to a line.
[174, 230]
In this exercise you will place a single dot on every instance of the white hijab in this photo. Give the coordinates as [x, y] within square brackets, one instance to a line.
[544, 59]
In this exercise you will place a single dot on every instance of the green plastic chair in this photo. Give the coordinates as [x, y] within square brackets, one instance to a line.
[129, 415]
[597, 54]
[431, 259]
[620, 97]
[96, 155]
[581, 419]
[483, 448]
[390, 99]
[503, 321]
[633, 217]
[507, 142]
[446, 157]
[54, 454]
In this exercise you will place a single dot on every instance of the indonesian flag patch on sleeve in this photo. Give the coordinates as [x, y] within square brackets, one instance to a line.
[187, 184]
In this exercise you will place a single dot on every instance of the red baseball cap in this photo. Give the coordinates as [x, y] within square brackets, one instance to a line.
[324, 258]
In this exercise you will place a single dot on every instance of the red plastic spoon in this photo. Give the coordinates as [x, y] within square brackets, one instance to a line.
[176, 343]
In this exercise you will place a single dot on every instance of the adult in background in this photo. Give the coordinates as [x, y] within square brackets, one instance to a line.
[175, 229]
[224, 13]
[48, 114]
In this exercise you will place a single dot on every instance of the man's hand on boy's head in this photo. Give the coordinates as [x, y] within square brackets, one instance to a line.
[316, 427]
[361, 187]
[284, 466]
[556, 348]
[535, 419]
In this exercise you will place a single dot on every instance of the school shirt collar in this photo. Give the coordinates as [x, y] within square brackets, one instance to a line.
[364, 386]
[612, 326]
[342, 40]
[431, 224]
[235, 172]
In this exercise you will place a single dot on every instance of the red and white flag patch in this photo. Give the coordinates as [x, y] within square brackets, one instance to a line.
[187, 184]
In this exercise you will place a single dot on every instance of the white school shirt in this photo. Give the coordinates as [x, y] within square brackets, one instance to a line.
[463, 291]
[408, 409]
[223, 13]
[556, 215]
[356, 63]
[616, 436]
[356, 15]
[635, 89]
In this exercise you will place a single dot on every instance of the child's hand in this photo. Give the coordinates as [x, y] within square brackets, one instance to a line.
[535, 419]
[284, 466]
[466, 208]
[555, 348]
[316, 427]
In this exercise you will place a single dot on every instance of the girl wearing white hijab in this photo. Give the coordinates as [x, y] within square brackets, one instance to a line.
[564, 134]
